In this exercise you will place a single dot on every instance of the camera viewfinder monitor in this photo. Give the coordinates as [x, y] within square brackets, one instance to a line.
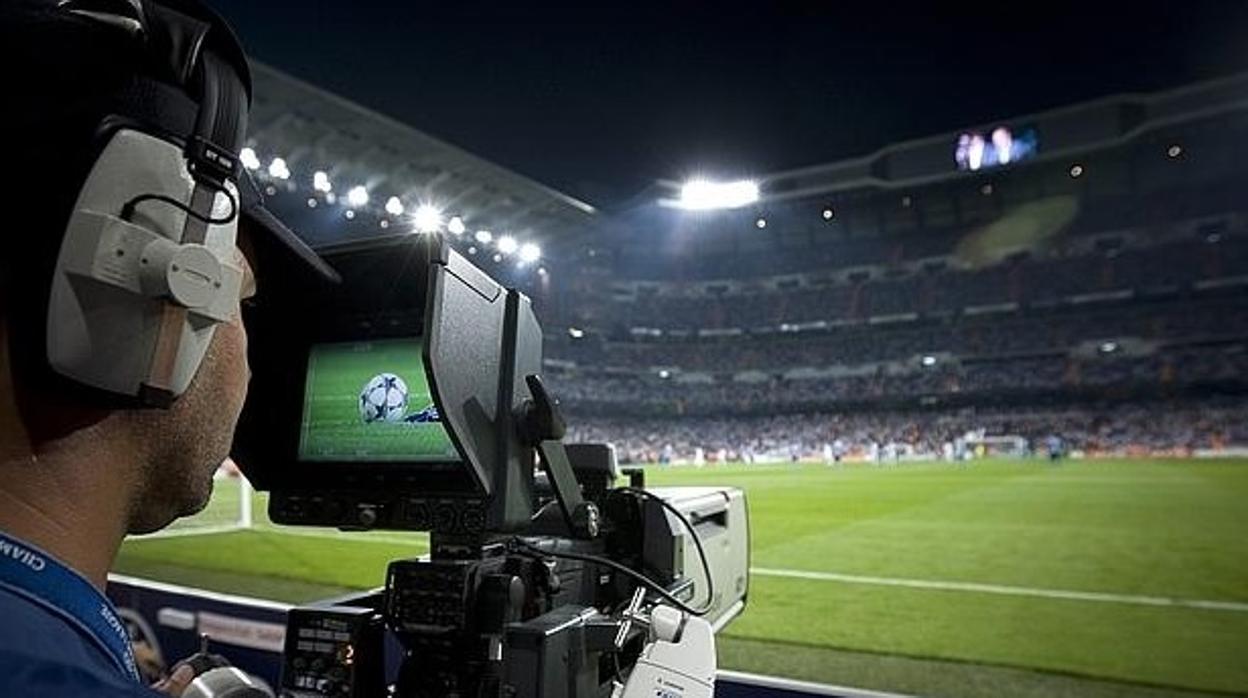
[389, 401]
[369, 401]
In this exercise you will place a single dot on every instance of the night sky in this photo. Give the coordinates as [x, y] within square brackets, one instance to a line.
[601, 101]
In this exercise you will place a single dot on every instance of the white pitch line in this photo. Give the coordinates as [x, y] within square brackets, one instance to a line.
[1004, 590]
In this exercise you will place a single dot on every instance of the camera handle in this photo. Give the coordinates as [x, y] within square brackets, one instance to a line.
[542, 427]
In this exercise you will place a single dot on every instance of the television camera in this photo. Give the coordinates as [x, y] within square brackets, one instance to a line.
[410, 398]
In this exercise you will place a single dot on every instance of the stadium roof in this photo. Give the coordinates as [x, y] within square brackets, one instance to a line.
[1059, 133]
[313, 130]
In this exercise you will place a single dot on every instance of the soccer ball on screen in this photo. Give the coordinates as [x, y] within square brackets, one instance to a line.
[383, 399]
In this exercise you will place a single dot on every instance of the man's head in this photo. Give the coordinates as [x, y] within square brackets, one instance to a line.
[186, 443]
[120, 293]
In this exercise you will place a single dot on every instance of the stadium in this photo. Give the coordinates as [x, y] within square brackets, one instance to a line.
[867, 351]
[989, 409]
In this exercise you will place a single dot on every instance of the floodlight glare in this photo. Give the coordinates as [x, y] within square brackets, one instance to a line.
[529, 252]
[576, 332]
[428, 218]
[394, 207]
[278, 169]
[358, 196]
[507, 244]
[700, 194]
[248, 157]
[484, 237]
[455, 226]
[320, 182]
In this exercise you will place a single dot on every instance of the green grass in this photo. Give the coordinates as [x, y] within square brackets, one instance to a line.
[333, 428]
[1157, 528]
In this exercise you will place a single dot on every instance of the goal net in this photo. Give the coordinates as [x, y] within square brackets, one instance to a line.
[229, 508]
[1008, 445]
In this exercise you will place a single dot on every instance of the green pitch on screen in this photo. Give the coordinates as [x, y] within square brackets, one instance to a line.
[333, 429]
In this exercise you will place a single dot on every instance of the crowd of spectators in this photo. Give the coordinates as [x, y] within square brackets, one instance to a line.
[982, 336]
[1140, 428]
[940, 290]
[1159, 372]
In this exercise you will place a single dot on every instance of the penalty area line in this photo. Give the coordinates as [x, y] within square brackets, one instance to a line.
[1004, 590]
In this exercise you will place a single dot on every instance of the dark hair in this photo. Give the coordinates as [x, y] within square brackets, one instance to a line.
[63, 68]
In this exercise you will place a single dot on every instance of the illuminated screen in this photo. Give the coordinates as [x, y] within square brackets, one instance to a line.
[370, 402]
[1001, 146]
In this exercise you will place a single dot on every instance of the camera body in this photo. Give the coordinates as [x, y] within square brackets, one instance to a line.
[410, 398]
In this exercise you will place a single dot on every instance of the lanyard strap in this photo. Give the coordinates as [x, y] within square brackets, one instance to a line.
[32, 573]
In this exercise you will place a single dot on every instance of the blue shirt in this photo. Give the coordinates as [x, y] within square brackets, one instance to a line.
[52, 638]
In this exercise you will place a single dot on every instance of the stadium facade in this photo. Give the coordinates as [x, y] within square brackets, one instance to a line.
[1073, 259]
[1081, 258]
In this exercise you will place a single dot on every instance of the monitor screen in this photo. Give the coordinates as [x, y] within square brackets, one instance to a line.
[370, 402]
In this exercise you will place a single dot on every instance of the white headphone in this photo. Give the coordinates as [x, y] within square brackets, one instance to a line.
[147, 267]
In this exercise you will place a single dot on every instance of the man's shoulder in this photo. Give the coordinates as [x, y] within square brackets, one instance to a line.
[41, 654]
[30, 676]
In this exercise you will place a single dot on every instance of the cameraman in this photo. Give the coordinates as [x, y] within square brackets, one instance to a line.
[86, 457]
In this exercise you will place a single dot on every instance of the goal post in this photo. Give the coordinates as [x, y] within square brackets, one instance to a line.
[1004, 445]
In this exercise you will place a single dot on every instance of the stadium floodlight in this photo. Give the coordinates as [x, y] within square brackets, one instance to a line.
[472, 249]
[1109, 347]
[702, 195]
[828, 214]
[248, 157]
[350, 214]
[455, 226]
[320, 182]
[576, 332]
[1076, 171]
[498, 258]
[484, 237]
[278, 169]
[929, 360]
[1174, 151]
[312, 202]
[541, 271]
[507, 244]
[760, 223]
[665, 374]
[394, 207]
[330, 197]
[529, 253]
[358, 196]
[428, 218]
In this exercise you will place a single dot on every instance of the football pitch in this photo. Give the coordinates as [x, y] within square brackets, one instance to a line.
[333, 426]
[1000, 578]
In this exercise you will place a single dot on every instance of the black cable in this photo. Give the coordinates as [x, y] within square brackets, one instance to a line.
[697, 541]
[667, 596]
[127, 211]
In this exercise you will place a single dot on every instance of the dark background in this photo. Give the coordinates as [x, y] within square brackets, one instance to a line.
[601, 101]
